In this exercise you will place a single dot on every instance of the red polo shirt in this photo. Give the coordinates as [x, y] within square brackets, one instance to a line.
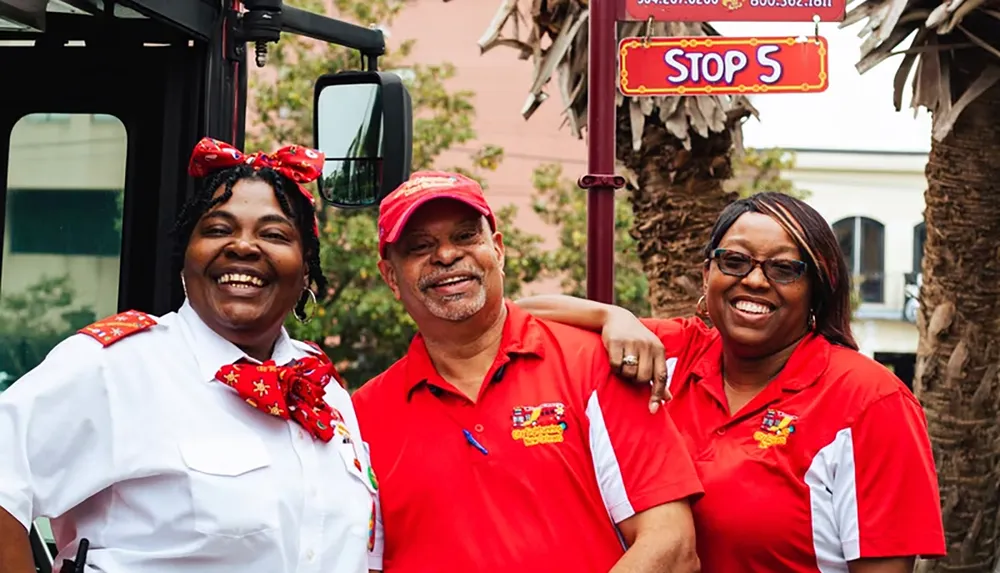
[830, 463]
[559, 450]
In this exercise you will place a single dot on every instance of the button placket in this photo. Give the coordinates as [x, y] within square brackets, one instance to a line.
[467, 415]
[312, 509]
[476, 416]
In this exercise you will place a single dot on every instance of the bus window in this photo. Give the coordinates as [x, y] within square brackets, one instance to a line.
[62, 233]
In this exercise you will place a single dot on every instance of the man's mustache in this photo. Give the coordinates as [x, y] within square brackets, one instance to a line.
[429, 280]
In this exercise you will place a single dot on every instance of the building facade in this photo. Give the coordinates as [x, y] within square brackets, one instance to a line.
[875, 202]
[61, 232]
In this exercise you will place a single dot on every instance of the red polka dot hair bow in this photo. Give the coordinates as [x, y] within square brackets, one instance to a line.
[298, 163]
[292, 392]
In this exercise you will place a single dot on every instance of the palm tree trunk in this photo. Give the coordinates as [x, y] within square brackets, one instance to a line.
[680, 193]
[676, 175]
[958, 359]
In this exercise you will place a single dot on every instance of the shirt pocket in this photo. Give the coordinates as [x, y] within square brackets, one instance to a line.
[231, 484]
[357, 462]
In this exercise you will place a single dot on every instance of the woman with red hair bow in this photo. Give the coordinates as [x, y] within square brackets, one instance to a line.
[206, 439]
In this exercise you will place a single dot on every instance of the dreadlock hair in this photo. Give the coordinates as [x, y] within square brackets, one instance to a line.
[292, 203]
[827, 270]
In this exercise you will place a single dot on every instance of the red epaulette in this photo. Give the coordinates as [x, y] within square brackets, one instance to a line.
[114, 328]
[333, 369]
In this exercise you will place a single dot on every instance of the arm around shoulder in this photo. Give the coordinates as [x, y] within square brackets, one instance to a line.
[578, 312]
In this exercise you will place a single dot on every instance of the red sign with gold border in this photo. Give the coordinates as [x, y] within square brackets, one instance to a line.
[733, 10]
[721, 65]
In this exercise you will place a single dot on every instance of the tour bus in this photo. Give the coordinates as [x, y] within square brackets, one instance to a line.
[103, 101]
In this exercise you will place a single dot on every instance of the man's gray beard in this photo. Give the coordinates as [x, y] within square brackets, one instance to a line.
[459, 310]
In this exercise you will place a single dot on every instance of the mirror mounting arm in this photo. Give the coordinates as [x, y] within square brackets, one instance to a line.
[369, 41]
[265, 20]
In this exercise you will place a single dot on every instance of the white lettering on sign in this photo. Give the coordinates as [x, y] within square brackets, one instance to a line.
[764, 59]
[712, 67]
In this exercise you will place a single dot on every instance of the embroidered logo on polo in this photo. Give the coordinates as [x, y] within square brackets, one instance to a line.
[775, 429]
[542, 424]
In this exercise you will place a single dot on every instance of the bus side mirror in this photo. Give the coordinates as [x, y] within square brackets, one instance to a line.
[363, 123]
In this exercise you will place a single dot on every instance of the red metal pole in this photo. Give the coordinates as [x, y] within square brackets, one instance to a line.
[600, 182]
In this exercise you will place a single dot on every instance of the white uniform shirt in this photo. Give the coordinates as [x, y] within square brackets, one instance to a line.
[137, 448]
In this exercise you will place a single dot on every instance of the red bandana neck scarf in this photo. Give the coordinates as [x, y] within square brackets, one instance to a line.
[292, 392]
[298, 163]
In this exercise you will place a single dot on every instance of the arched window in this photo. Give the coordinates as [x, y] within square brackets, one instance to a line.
[919, 238]
[862, 240]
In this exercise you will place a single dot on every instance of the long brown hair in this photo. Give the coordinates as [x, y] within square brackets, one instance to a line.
[828, 274]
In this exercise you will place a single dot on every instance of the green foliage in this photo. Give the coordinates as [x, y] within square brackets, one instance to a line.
[760, 170]
[35, 320]
[358, 322]
[559, 202]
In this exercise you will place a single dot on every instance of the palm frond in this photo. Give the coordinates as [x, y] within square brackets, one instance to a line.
[941, 39]
[553, 34]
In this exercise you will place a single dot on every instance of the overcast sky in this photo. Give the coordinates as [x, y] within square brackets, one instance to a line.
[855, 112]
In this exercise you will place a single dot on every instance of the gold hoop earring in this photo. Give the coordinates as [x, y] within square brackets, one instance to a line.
[184, 286]
[305, 319]
[701, 308]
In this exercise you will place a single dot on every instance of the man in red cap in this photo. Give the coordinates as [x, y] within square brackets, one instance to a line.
[503, 442]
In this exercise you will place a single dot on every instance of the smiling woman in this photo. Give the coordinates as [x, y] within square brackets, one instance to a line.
[774, 397]
[248, 244]
[802, 285]
[232, 445]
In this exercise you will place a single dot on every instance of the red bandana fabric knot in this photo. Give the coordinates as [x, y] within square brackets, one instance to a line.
[292, 392]
[300, 164]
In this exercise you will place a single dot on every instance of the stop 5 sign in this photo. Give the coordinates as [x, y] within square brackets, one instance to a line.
[722, 65]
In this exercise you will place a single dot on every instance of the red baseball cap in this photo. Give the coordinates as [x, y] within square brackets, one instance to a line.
[423, 186]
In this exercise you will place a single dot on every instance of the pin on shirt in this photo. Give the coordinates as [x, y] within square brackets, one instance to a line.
[474, 442]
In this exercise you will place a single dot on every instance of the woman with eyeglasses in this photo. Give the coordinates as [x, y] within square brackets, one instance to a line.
[814, 458]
